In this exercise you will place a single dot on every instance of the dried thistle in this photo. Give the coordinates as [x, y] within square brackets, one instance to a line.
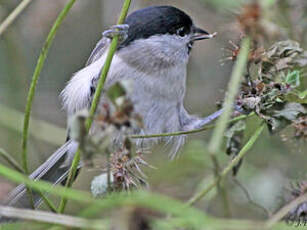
[113, 123]
[249, 19]
[126, 168]
[255, 54]
[273, 86]
[299, 213]
[253, 22]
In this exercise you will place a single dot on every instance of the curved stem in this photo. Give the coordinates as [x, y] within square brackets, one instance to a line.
[37, 71]
[207, 127]
[95, 102]
[229, 167]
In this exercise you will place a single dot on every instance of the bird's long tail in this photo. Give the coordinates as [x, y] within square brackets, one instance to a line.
[54, 170]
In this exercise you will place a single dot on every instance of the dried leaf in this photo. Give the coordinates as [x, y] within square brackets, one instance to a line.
[282, 49]
[291, 111]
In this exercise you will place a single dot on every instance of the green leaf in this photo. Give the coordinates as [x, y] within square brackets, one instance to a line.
[115, 92]
[293, 78]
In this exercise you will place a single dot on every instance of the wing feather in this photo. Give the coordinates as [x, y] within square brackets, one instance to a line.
[98, 51]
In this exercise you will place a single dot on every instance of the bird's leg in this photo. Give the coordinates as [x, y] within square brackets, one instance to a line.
[206, 120]
[117, 30]
[197, 123]
[190, 122]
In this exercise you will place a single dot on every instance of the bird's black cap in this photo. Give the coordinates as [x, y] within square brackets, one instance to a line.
[155, 20]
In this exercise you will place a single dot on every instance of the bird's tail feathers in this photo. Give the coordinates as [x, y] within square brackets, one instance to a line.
[54, 170]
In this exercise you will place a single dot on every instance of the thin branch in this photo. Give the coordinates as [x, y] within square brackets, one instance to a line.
[207, 127]
[11, 160]
[13, 15]
[37, 71]
[51, 218]
[229, 167]
[96, 99]
[284, 210]
[249, 198]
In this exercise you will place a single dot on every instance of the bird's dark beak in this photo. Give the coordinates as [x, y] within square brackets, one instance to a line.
[200, 34]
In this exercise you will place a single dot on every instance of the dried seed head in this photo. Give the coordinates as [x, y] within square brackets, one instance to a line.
[299, 213]
[249, 18]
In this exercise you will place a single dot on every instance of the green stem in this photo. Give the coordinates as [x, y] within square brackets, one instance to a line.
[11, 160]
[229, 167]
[15, 13]
[222, 122]
[48, 202]
[96, 99]
[233, 87]
[138, 198]
[207, 127]
[37, 71]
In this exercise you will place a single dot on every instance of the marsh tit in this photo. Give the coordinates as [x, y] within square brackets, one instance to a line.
[155, 46]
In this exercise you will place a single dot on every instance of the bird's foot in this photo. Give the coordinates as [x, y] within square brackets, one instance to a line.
[117, 30]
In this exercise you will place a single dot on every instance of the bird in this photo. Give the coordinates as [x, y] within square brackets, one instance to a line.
[153, 53]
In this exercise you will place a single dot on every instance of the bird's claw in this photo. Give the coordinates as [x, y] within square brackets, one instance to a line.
[120, 30]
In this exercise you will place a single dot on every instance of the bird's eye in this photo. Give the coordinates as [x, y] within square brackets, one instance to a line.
[181, 32]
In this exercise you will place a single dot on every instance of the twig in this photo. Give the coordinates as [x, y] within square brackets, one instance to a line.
[229, 167]
[249, 198]
[13, 15]
[96, 99]
[11, 160]
[37, 71]
[284, 210]
[207, 127]
[47, 217]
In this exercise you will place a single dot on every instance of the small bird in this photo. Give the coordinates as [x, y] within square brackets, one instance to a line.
[155, 46]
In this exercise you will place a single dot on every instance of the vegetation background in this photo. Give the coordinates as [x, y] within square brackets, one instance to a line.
[267, 171]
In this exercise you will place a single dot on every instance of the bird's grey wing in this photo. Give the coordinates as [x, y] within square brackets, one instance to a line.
[99, 50]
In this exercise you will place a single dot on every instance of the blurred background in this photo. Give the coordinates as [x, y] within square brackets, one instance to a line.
[274, 161]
